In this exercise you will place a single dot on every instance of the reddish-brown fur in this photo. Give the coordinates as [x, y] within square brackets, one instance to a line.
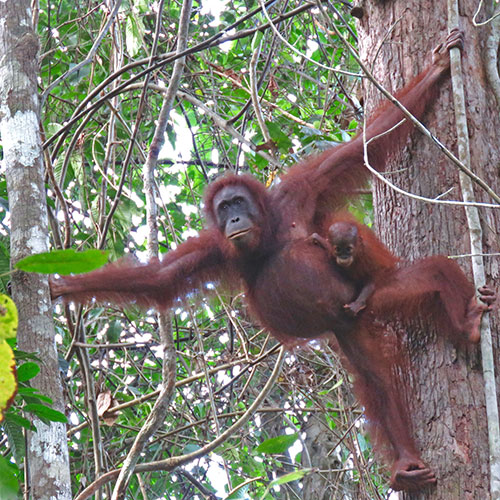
[290, 285]
[373, 258]
[435, 286]
[370, 261]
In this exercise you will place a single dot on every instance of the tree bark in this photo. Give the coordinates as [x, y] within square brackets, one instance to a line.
[446, 388]
[48, 475]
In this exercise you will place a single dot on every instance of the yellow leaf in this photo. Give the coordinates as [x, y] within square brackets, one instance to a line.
[8, 381]
[8, 318]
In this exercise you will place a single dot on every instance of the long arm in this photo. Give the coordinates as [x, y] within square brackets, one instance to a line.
[158, 283]
[335, 174]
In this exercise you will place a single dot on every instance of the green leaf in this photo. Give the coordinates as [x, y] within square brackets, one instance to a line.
[37, 398]
[76, 163]
[142, 5]
[45, 412]
[292, 476]
[51, 128]
[13, 427]
[4, 261]
[257, 39]
[63, 262]
[9, 486]
[17, 420]
[27, 390]
[279, 137]
[191, 448]
[27, 371]
[363, 444]
[133, 35]
[113, 332]
[287, 478]
[277, 444]
[80, 74]
[239, 494]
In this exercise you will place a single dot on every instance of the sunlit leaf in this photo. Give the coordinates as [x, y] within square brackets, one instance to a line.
[8, 383]
[8, 318]
[133, 35]
[8, 329]
[63, 261]
[292, 476]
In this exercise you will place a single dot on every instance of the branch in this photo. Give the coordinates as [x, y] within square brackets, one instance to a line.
[224, 125]
[496, 15]
[476, 238]
[180, 383]
[434, 201]
[491, 56]
[297, 51]
[84, 107]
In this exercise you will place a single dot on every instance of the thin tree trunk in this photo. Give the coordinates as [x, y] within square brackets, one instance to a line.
[47, 469]
[445, 387]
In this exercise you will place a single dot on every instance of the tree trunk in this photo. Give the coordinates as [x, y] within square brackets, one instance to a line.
[446, 388]
[333, 481]
[47, 453]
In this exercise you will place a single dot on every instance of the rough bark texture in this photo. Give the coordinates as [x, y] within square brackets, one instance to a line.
[334, 480]
[447, 392]
[47, 453]
[320, 442]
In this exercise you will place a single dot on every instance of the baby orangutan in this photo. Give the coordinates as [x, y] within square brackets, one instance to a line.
[357, 252]
[438, 285]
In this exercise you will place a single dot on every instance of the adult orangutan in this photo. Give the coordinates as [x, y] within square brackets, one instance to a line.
[258, 239]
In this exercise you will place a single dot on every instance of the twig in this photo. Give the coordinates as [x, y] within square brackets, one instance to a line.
[254, 92]
[297, 51]
[223, 124]
[434, 201]
[180, 383]
[491, 56]
[158, 413]
[171, 463]
[85, 108]
[89, 57]
[466, 170]
[496, 15]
